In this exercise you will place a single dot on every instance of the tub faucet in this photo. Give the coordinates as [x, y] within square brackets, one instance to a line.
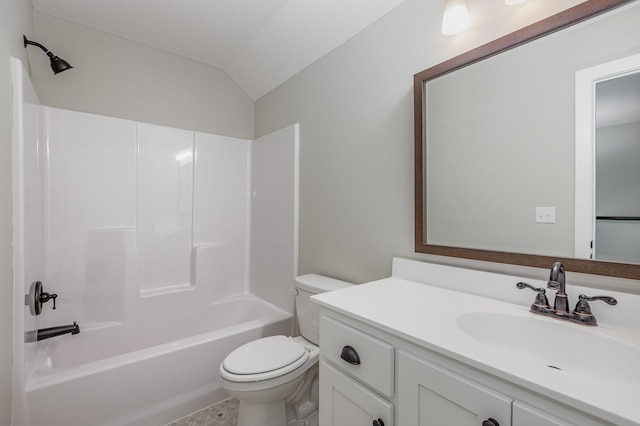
[47, 333]
[557, 281]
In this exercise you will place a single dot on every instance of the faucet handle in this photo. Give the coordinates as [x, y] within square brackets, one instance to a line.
[37, 297]
[582, 307]
[541, 302]
[45, 297]
[607, 299]
[582, 312]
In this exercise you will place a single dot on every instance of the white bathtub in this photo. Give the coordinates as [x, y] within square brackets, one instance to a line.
[151, 369]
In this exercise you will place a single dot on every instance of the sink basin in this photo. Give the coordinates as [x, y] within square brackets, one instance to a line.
[567, 348]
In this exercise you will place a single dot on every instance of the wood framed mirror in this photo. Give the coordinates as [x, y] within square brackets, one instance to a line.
[428, 190]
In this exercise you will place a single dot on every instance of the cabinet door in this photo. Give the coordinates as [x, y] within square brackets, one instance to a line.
[525, 415]
[344, 402]
[430, 395]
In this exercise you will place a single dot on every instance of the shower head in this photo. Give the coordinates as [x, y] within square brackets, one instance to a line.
[57, 64]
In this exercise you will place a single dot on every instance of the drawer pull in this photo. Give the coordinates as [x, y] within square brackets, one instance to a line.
[350, 355]
[378, 422]
[490, 422]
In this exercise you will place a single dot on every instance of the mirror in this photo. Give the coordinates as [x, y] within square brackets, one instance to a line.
[495, 141]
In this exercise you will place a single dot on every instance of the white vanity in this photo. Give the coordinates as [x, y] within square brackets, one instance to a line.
[407, 351]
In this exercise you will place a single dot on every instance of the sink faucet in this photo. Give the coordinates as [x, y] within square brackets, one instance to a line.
[557, 281]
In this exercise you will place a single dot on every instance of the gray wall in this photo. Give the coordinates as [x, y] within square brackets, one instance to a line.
[617, 171]
[15, 19]
[355, 109]
[617, 183]
[119, 78]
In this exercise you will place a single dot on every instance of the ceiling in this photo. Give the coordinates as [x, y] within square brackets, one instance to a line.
[259, 43]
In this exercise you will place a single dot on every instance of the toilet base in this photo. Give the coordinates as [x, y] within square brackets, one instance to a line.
[312, 420]
[270, 414]
[262, 413]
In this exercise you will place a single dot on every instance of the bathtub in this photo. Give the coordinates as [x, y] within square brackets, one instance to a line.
[150, 369]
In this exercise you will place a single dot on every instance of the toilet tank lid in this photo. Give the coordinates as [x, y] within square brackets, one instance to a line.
[315, 283]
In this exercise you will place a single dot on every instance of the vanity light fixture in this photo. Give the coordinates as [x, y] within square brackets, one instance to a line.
[455, 18]
[57, 64]
[512, 2]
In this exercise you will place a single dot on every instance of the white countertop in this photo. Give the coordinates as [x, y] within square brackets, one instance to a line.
[428, 316]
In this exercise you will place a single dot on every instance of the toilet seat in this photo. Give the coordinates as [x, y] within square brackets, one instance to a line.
[264, 359]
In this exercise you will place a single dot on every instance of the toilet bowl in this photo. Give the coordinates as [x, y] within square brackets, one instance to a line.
[276, 378]
[281, 373]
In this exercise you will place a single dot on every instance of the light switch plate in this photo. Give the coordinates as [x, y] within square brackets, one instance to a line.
[545, 215]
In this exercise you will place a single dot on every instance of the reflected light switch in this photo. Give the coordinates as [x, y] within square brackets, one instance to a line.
[545, 215]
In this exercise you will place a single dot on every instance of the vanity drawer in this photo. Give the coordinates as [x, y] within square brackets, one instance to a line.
[361, 355]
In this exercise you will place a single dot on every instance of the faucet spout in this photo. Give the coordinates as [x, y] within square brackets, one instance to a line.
[557, 281]
[556, 278]
[47, 333]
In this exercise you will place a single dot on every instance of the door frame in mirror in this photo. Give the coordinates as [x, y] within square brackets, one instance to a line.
[554, 23]
[586, 159]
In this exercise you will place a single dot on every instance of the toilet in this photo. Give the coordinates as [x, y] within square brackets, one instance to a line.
[276, 378]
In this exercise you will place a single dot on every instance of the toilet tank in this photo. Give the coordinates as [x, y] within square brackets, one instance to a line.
[307, 311]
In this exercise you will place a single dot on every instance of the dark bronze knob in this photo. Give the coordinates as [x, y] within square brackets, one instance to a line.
[37, 297]
[350, 355]
[45, 297]
[378, 422]
[490, 422]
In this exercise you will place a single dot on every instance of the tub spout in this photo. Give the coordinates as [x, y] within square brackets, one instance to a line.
[47, 333]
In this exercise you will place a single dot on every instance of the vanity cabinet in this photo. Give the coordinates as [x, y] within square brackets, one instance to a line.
[396, 382]
[432, 395]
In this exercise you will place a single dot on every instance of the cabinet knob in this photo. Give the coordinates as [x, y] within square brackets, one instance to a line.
[490, 422]
[378, 422]
[350, 355]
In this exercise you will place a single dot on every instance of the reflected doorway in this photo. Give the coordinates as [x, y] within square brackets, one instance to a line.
[608, 161]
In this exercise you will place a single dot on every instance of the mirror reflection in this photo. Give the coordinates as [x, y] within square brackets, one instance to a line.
[617, 169]
[499, 162]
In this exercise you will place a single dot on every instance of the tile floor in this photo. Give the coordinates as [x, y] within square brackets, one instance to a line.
[224, 413]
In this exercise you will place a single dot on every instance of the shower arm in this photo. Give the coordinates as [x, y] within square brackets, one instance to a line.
[33, 43]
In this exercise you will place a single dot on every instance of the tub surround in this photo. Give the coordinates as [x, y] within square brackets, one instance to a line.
[168, 247]
[429, 312]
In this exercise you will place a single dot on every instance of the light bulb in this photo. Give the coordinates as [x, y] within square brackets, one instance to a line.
[455, 18]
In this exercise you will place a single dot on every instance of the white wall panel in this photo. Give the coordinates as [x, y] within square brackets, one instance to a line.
[90, 185]
[221, 197]
[134, 209]
[274, 216]
[165, 201]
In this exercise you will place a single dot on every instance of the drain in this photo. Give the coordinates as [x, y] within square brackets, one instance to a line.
[554, 367]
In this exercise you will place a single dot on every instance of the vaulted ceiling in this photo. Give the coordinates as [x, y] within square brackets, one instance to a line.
[259, 43]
